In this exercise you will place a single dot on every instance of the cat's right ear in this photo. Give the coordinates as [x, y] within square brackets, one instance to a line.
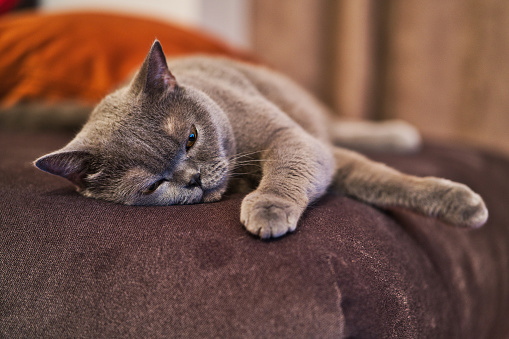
[154, 76]
[71, 165]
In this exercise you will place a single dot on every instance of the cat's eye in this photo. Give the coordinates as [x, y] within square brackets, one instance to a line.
[193, 135]
[152, 188]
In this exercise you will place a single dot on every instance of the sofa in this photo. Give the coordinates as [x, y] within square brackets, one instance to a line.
[73, 267]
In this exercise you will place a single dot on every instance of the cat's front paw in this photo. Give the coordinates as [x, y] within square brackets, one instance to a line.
[463, 207]
[268, 215]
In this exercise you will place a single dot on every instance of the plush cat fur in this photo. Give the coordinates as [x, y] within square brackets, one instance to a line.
[219, 124]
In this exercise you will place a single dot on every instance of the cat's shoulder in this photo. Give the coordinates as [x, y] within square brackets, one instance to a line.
[198, 60]
[218, 64]
[201, 62]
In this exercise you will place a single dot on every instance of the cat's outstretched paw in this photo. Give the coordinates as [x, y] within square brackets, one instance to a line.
[463, 207]
[268, 215]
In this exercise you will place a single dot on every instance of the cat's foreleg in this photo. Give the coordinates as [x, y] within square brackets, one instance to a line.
[296, 169]
[383, 186]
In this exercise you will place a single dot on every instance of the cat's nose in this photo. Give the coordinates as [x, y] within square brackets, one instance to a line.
[195, 181]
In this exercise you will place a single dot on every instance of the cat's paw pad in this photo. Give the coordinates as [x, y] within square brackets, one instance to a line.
[464, 207]
[267, 215]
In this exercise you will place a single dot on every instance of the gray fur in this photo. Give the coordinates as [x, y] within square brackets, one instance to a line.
[255, 129]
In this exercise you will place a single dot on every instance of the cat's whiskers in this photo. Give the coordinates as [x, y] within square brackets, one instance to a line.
[241, 174]
[246, 154]
[246, 163]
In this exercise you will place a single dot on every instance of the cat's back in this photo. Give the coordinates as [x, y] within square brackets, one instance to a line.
[231, 82]
[212, 74]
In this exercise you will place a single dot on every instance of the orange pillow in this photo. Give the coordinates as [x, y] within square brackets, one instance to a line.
[84, 55]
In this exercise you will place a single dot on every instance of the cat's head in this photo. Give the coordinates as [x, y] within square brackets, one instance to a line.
[153, 142]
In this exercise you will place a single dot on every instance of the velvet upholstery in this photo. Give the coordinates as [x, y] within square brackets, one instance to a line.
[82, 268]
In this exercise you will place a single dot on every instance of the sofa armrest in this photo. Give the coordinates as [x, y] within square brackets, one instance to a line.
[77, 267]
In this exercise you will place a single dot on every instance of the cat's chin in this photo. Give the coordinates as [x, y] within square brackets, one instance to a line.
[212, 196]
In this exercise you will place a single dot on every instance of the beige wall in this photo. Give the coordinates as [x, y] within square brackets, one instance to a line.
[290, 36]
[442, 65]
[448, 69]
[227, 19]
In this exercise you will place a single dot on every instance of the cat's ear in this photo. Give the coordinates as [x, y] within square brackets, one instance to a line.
[72, 165]
[154, 76]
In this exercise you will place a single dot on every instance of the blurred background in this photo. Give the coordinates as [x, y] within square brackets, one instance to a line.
[440, 65]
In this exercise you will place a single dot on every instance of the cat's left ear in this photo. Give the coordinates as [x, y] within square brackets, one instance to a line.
[71, 165]
[154, 76]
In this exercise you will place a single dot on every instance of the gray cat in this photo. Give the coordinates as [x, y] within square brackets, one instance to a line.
[219, 124]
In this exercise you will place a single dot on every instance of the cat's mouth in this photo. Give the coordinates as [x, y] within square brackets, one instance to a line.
[201, 195]
[214, 193]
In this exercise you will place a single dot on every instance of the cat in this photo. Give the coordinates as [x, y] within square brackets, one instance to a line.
[212, 124]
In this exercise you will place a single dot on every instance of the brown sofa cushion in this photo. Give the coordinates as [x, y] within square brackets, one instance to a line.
[76, 267]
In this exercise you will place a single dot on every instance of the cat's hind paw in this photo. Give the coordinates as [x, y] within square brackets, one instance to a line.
[464, 207]
[269, 216]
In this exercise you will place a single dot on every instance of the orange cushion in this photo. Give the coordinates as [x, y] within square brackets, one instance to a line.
[83, 55]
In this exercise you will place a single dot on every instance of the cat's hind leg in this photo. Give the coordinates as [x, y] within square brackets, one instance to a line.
[390, 135]
[383, 186]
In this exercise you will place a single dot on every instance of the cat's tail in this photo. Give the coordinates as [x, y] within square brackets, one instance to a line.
[385, 136]
[382, 186]
[32, 116]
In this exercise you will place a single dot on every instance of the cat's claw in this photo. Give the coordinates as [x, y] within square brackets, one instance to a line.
[269, 216]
